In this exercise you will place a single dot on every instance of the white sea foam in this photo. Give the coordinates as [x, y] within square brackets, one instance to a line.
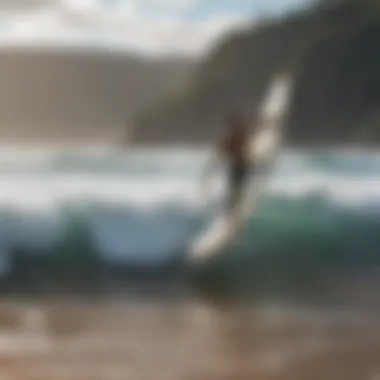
[141, 201]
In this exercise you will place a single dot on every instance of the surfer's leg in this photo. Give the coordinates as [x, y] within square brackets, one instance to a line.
[236, 183]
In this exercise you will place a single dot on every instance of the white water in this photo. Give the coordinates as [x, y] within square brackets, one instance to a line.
[140, 204]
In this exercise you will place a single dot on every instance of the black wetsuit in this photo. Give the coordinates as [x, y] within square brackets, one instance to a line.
[237, 173]
[233, 147]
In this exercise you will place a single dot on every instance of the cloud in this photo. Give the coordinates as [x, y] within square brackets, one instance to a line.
[194, 37]
[174, 5]
[150, 26]
[14, 5]
[38, 26]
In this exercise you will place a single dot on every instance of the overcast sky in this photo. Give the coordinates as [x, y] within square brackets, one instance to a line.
[151, 26]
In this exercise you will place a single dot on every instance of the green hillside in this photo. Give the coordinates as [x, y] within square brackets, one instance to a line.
[333, 49]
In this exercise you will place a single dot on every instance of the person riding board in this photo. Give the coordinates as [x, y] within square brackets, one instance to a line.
[232, 147]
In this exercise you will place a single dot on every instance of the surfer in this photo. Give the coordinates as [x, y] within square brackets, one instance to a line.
[232, 148]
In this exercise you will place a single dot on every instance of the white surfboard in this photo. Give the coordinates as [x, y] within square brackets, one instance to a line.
[264, 146]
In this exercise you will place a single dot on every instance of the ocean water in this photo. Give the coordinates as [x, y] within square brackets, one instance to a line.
[114, 223]
[86, 217]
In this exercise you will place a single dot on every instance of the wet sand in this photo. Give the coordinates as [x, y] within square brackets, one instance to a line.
[189, 341]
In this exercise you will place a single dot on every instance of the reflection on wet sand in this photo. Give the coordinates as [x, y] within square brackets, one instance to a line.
[64, 340]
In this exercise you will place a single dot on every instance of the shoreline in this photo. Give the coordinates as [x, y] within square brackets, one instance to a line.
[81, 342]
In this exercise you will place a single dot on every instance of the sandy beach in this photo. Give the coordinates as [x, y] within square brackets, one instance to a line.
[63, 340]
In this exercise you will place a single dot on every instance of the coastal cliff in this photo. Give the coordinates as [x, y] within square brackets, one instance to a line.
[331, 48]
[76, 94]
